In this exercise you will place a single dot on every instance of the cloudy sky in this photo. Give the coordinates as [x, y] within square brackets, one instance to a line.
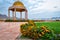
[36, 8]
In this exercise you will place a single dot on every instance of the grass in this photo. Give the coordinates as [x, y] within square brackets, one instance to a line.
[55, 26]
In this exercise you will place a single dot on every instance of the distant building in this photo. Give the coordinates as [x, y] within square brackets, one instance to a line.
[55, 18]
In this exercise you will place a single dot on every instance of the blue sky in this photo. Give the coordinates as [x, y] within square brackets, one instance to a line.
[36, 8]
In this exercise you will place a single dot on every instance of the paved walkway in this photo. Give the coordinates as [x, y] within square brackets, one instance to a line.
[9, 30]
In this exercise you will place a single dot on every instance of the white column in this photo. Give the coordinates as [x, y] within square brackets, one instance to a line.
[8, 14]
[20, 15]
[26, 15]
[15, 14]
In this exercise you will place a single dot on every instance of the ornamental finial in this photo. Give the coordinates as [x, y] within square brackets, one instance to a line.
[17, 0]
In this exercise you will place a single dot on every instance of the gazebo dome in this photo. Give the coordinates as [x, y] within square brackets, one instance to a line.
[18, 3]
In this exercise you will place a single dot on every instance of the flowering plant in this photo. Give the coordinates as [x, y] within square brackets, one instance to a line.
[36, 32]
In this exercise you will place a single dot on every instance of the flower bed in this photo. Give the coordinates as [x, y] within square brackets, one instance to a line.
[30, 30]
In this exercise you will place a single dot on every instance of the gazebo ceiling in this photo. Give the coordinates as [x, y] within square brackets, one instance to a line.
[17, 9]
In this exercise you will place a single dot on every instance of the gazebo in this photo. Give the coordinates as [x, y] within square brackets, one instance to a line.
[17, 6]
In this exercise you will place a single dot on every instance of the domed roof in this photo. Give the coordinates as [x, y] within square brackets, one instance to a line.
[18, 3]
[19, 6]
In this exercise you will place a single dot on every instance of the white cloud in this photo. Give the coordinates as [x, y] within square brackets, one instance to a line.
[35, 1]
[50, 4]
[32, 1]
[47, 5]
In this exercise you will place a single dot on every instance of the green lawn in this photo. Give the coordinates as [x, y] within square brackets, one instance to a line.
[53, 25]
